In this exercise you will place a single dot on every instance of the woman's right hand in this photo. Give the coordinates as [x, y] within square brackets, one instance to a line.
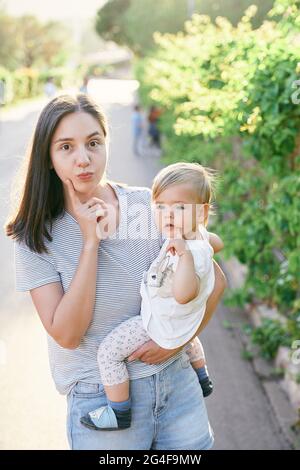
[152, 353]
[87, 214]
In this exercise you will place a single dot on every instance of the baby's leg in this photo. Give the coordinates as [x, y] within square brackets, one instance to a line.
[197, 359]
[196, 354]
[114, 349]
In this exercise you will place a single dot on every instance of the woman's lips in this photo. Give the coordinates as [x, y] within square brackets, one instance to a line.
[85, 176]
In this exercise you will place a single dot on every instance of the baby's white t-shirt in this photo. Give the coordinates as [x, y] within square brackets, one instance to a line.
[167, 322]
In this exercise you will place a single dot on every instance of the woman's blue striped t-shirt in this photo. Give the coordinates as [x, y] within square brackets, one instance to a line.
[122, 259]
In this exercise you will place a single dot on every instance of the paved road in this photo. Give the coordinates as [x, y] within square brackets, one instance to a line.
[32, 412]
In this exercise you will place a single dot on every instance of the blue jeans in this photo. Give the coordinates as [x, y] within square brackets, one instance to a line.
[168, 413]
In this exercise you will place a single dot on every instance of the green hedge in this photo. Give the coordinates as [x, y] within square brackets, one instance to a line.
[27, 83]
[227, 98]
[6, 80]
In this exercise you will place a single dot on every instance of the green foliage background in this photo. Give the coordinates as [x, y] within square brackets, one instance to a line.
[30, 52]
[230, 101]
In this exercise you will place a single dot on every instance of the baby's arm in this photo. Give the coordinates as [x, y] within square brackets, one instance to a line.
[216, 242]
[151, 353]
[186, 283]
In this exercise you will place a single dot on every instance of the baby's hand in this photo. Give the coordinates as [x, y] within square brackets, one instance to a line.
[177, 246]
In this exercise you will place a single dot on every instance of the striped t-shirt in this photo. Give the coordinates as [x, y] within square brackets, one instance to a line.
[122, 259]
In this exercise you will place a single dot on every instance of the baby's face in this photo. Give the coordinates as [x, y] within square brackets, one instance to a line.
[178, 212]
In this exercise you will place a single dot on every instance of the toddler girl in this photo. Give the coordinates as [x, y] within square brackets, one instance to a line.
[174, 290]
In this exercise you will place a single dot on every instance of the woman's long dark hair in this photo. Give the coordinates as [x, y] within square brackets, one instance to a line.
[42, 198]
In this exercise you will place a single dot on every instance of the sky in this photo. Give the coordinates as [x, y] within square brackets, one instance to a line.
[53, 9]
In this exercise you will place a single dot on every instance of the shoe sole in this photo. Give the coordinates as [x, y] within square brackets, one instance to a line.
[90, 426]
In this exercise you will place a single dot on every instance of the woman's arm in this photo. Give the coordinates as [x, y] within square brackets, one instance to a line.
[214, 298]
[151, 353]
[66, 317]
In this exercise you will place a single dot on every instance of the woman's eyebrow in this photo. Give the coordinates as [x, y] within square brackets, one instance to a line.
[94, 134]
[64, 139]
[172, 202]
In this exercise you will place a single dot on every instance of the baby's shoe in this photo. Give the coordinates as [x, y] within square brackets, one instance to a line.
[107, 419]
[207, 386]
[204, 380]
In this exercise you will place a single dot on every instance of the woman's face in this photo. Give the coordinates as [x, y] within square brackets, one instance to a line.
[78, 148]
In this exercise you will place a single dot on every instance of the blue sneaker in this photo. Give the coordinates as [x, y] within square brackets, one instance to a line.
[101, 419]
[207, 386]
[107, 418]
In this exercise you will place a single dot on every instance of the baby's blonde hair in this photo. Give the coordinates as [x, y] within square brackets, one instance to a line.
[199, 177]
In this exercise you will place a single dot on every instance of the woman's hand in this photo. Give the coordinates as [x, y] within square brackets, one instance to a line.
[87, 214]
[151, 353]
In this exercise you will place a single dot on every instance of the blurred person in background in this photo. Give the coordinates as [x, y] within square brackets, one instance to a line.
[50, 88]
[2, 92]
[153, 130]
[137, 129]
[84, 86]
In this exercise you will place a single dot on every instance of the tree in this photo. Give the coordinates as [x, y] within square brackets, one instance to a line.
[56, 43]
[109, 21]
[41, 44]
[233, 10]
[142, 19]
[8, 41]
[133, 22]
[26, 42]
[29, 34]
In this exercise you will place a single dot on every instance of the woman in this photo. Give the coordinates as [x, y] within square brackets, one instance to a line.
[82, 244]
